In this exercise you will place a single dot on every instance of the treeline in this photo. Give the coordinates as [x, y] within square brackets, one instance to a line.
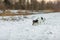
[34, 5]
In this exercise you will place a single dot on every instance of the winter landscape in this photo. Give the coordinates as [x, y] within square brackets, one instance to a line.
[21, 28]
[29, 19]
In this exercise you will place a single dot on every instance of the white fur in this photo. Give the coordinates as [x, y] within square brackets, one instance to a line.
[40, 21]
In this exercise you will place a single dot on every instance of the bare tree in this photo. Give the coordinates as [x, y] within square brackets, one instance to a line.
[49, 5]
[42, 5]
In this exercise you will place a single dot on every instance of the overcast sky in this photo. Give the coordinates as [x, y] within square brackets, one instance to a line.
[48, 0]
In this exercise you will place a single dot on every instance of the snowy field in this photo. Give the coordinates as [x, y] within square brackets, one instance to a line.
[22, 28]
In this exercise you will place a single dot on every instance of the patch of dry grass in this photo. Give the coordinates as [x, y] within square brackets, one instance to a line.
[8, 13]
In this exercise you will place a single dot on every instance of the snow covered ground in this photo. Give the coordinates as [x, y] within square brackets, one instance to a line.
[24, 30]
